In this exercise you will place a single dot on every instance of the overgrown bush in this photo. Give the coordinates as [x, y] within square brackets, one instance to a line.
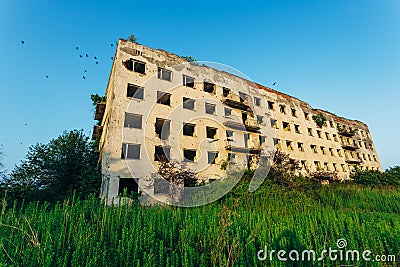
[375, 177]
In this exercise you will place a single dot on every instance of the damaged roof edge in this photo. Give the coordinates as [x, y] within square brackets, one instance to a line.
[254, 84]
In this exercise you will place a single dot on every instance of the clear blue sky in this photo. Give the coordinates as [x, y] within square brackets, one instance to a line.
[338, 55]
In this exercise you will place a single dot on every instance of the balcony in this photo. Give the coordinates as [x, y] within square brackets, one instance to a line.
[251, 125]
[97, 131]
[100, 109]
[344, 132]
[235, 125]
[235, 101]
[254, 149]
[352, 160]
[349, 146]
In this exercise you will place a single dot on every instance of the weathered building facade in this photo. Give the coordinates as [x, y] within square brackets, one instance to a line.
[160, 106]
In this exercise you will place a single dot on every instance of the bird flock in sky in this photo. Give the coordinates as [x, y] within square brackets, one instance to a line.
[81, 55]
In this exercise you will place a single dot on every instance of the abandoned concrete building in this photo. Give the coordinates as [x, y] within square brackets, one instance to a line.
[158, 105]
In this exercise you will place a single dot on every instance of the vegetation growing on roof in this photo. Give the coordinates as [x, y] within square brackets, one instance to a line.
[96, 98]
[319, 120]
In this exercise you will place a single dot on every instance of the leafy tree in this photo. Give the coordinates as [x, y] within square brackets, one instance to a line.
[132, 38]
[53, 171]
[393, 173]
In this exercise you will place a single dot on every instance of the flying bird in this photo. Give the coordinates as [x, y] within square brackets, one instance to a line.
[95, 57]
[80, 55]
[84, 77]
[112, 58]
[22, 42]
[47, 76]
[85, 70]
[77, 48]
[97, 62]
[87, 55]
[112, 45]
[274, 83]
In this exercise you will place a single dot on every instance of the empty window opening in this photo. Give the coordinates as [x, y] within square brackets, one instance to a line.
[331, 124]
[274, 123]
[210, 108]
[130, 151]
[257, 101]
[286, 126]
[300, 146]
[306, 116]
[130, 185]
[189, 155]
[335, 137]
[297, 128]
[323, 150]
[162, 128]
[209, 87]
[339, 152]
[188, 103]
[243, 97]
[135, 91]
[331, 151]
[282, 109]
[164, 74]
[343, 167]
[327, 136]
[303, 164]
[133, 121]
[260, 119]
[225, 92]
[319, 134]
[310, 133]
[188, 81]
[326, 167]
[161, 186]
[135, 65]
[262, 139]
[270, 105]
[314, 148]
[228, 112]
[289, 145]
[317, 165]
[163, 98]
[188, 129]
[212, 157]
[277, 143]
[374, 157]
[294, 112]
[161, 153]
[211, 132]
[229, 134]
[334, 166]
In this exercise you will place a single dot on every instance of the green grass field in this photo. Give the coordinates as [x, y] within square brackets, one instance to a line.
[229, 232]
